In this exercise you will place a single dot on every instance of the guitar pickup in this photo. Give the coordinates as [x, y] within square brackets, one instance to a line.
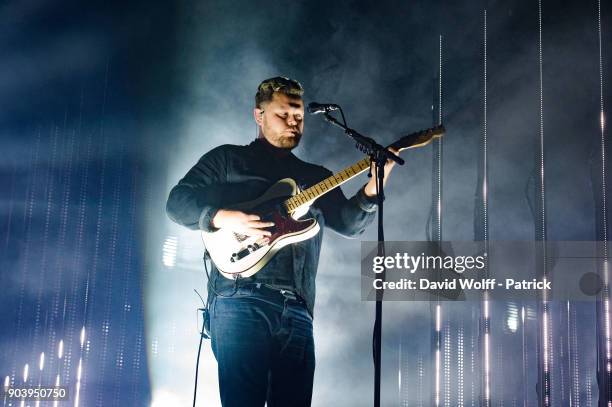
[244, 252]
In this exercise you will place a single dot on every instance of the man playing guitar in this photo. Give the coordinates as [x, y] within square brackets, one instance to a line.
[261, 325]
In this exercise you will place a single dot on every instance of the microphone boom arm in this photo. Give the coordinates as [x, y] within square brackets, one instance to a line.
[364, 143]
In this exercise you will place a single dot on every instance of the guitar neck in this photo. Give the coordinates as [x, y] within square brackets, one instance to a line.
[309, 195]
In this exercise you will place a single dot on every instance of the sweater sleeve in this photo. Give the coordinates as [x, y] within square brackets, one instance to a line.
[194, 201]
[348, 217]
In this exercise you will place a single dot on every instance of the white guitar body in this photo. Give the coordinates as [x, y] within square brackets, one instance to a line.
[237, 255]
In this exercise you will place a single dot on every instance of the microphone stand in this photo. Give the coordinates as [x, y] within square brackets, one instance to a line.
[378, 155]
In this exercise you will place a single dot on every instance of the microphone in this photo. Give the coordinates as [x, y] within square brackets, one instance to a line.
[316, 108]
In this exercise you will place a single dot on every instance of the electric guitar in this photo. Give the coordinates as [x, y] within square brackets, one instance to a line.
[237, 255]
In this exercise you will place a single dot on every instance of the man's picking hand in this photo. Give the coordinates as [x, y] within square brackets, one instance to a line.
[242, 223]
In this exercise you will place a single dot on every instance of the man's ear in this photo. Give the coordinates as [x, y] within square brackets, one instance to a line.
[258, 115]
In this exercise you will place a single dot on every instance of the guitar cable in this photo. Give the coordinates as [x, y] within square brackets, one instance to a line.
[205, 331]
[212, 284]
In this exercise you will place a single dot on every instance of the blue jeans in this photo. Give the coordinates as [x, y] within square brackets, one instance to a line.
[264, 347]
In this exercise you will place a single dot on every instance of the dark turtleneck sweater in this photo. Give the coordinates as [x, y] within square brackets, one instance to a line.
[231, 174]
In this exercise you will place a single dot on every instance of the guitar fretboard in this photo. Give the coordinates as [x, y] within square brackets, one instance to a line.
[309, 195]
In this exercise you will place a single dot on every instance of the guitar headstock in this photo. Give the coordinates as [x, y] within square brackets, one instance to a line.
[419, 139]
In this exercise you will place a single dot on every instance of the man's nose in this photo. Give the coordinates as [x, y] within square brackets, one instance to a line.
[291, 120]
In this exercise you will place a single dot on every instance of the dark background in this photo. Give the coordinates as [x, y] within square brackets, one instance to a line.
[105, 106]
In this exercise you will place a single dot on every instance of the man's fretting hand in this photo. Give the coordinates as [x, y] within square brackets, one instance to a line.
[370, 187]
[240, 222]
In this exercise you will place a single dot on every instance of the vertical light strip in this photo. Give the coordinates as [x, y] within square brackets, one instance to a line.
[545, 356]
[438, 326]
[421, 375]
[399, 374]
[604, 209]
[60, 295]
[473, 370]
[12, 200]
[29, 204]
[447, 363]
[576, 366]
[91, 273]
[57, 383]
[524, 356]
[602, 124]
[487, 356]
[76, 283]
[110, 274]
[460, 366]
[44, 267]
[540, 64]
[486, 325]
[41, 366]
[484, 180]
[440, 84]
[60, 349]
[126, 287]
[82, 338]
[26, 371]
[7, 383]
[440, 142]
[589, 391]
[77, 392]
[60, 356]
[439, 228]
[546, 328]
[570, 373]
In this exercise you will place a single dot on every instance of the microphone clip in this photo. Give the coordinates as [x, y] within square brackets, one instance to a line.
[316, 108]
